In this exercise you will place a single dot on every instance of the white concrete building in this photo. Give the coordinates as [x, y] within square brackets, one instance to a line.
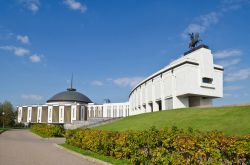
[108, 110]
[190, 81]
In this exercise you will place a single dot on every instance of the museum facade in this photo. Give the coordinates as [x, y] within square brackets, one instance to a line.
[193, 80]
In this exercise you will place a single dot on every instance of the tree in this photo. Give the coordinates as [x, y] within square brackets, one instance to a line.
[8, 119]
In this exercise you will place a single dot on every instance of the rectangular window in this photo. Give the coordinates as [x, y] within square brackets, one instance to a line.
[207, 80]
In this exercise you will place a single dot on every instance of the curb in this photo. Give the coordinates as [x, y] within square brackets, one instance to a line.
[91, 159]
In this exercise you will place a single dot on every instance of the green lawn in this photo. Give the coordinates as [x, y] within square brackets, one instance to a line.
[230, 120]
[40, 134]
[108, 159]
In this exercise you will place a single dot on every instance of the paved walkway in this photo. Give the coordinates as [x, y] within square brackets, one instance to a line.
[21, 147]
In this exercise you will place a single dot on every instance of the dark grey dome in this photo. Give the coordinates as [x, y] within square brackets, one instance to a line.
[70, 96]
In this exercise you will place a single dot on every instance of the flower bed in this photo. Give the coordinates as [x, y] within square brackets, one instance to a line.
[164, 146]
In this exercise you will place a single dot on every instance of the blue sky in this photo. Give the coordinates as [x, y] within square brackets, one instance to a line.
[111, 45]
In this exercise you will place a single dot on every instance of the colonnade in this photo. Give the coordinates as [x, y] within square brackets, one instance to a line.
[51, 113]
[68, 113]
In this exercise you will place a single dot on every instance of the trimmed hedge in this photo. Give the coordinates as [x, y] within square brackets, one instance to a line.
[164, 146]
[46, 130]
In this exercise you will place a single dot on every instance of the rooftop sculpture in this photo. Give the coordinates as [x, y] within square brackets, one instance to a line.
[194, 40]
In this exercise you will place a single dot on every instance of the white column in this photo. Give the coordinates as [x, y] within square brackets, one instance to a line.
[50, 108]
[145, 96]
[112, 111]
[94, 107]
[155, 106]
[39, 114]
[163, 105]
[148, 107]
[153, 95]
[20, 113]
[121, 111]
[61, 114]
[174, 90]
[73, 113]
[29, 114]
[105, 113]
[140, 100]
[127, 110]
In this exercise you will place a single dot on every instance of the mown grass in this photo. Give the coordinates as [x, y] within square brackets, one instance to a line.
[3, 130]
[229, 120]
[42, 135]
[96, 155]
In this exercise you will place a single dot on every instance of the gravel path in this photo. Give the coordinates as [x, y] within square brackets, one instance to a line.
[21, 147]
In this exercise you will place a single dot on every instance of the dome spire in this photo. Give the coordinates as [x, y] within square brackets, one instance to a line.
[71, 84]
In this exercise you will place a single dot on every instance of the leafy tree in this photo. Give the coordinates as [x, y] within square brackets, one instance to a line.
[8, 119]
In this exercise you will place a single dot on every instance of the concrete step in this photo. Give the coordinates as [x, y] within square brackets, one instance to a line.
[91, 122]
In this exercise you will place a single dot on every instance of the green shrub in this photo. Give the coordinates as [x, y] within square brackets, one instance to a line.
[19, 125]
[46, 130]
[165, 146]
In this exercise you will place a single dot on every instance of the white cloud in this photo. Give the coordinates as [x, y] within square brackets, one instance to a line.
[35, 58]
[31, 97]
[74, 5]
[232, 88]
[228, 5]
[109, 79]
[19, 51]
[23, 39]
[97, 83]
[202, 23]
[227, 63]
[128, 81]
[32, 5]
[241, 74]
[227, 53]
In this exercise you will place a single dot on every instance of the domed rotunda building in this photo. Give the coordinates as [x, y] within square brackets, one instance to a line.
[69, 107]
[63, 107]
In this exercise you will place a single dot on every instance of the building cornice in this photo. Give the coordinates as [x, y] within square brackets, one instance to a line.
[196, 48]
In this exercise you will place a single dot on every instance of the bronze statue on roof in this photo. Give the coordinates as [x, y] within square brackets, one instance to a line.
[194, 40]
